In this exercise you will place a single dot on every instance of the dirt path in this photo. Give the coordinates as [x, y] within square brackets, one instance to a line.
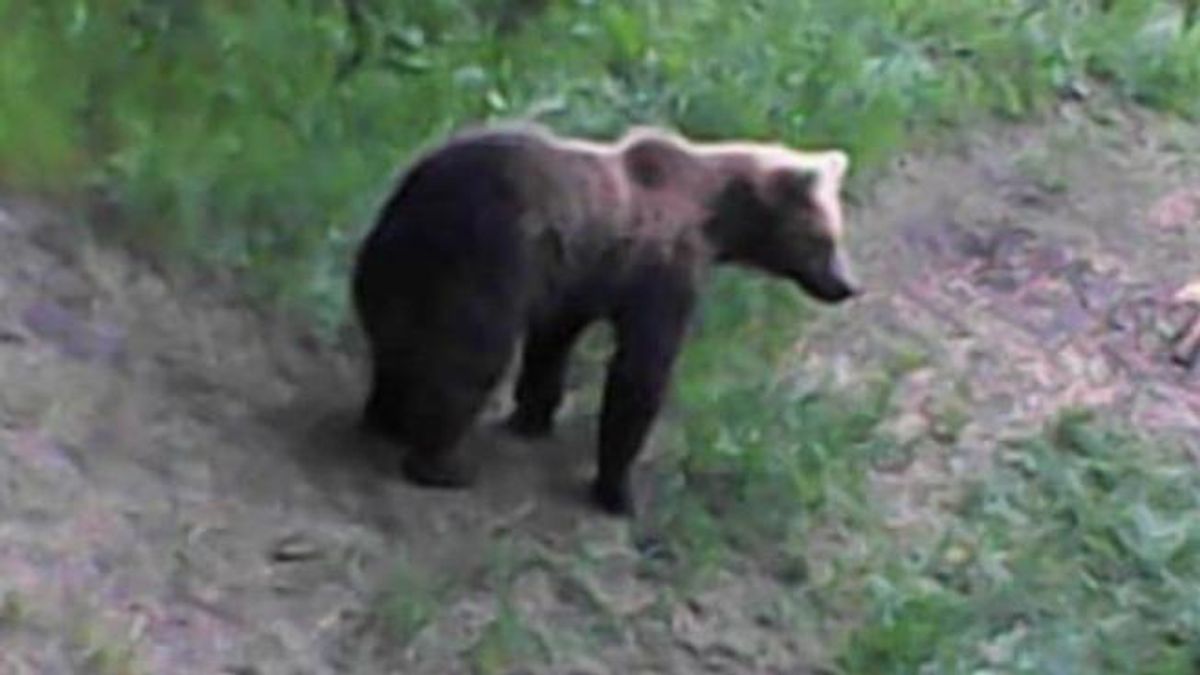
[1031, 271]
[183, 491]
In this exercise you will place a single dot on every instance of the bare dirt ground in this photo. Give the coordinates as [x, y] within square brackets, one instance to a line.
[182, 489]
[1027, 271]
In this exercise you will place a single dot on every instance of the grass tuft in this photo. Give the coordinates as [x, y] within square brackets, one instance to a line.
[1079, 553]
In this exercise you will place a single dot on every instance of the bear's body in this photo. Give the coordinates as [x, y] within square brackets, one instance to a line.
[514, 232]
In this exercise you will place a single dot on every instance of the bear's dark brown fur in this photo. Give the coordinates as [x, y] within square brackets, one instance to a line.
[514, 232]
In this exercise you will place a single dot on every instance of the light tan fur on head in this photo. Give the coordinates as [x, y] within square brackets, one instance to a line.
[829, 168]
[653, 191]
[654, 176]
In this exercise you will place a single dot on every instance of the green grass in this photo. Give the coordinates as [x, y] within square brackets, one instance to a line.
[412, 599]
[259, 138]
[1079, 553]
[763, 459]
[507, 643]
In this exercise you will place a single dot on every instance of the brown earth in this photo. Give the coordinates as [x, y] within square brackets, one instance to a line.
[183, 490]
[1026, 272]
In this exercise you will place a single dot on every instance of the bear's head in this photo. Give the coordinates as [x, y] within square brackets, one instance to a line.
[780, 210]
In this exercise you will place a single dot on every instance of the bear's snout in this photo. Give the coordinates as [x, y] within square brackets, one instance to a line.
[832, 282]
[833, 292]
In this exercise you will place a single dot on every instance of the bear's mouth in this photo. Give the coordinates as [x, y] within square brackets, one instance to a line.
[827, 289]
[829, 280]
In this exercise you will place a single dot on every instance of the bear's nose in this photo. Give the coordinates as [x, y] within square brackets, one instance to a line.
[843, 292]
[846, 278]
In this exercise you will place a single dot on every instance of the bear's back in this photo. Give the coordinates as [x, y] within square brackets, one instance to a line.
[587, 204]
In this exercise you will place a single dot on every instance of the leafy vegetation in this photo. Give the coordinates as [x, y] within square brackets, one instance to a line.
[1079, 554]
[260, 138]
[410, 601]
[751, 440]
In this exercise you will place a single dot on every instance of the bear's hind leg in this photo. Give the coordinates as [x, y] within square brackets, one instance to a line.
[428, 398]
[384, 409]
[434, 431]
[439, 409]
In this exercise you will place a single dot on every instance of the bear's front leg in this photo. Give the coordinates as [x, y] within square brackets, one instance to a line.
[539, 390]
[649, 331]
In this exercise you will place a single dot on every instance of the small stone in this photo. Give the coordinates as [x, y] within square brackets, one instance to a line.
[1190, 292]
[1052, 258]
[906, 428]
[295, 547]
[1076, 90]
[1007, 241]
[1092, 289]
[616, 585]
[11, 336]
[1177, 209]
[957, 554]
[582, 665]
[535, 594]
[1001, 279]
[73, 335]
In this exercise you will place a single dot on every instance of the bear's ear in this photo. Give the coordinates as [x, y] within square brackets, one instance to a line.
[791, 186]
[834, 164]
[797, 183]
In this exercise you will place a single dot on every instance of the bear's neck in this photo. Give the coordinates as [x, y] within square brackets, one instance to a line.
[735, 205]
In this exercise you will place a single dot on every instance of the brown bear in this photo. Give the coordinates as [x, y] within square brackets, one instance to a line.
[512, 232]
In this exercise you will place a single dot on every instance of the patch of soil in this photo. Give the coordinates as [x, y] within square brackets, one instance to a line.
[1036, 270]
[182, 488]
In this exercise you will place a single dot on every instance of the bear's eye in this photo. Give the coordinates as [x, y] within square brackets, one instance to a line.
[810, 226]
[816, 238]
